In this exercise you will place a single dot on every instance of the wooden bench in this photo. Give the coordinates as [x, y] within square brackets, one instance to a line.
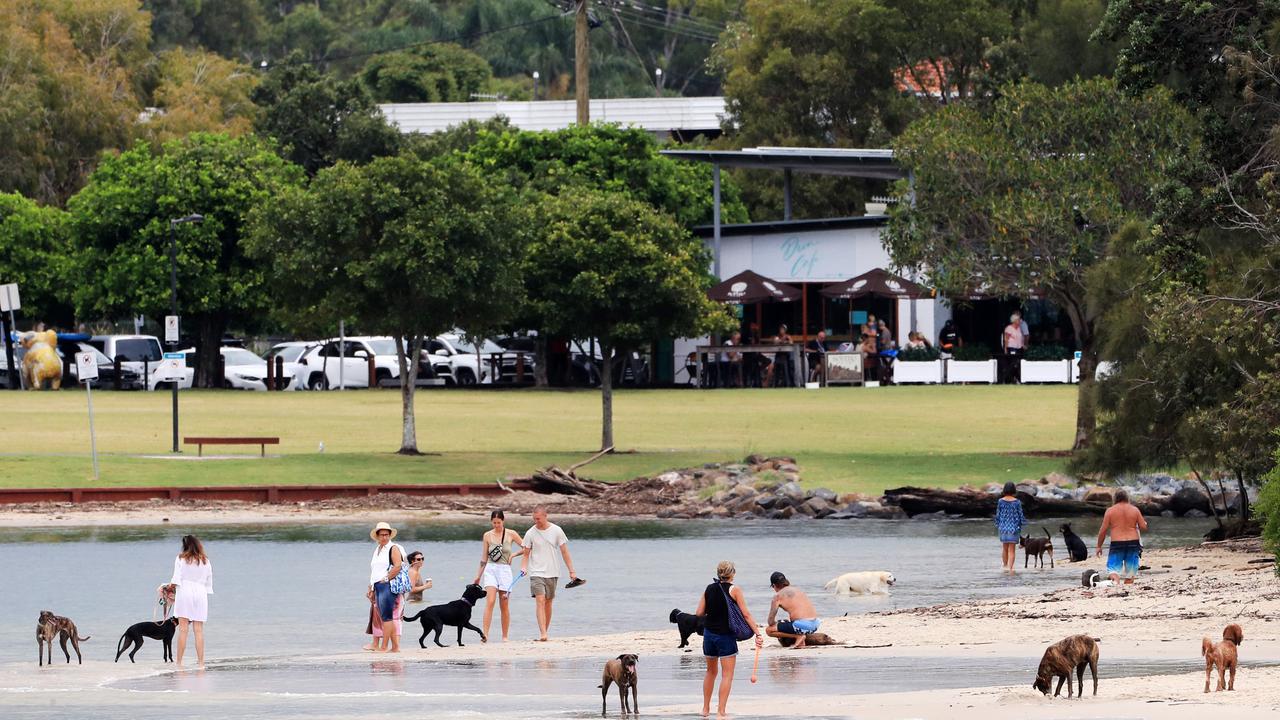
[200, 442]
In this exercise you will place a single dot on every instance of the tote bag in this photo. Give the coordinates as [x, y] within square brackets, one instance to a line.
[737, 623]
[400, 583]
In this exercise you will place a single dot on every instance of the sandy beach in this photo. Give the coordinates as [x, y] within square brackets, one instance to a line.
[1186, 594]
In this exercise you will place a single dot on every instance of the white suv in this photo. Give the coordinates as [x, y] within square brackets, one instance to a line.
[139, 353]
[460, 355]
[330, 364]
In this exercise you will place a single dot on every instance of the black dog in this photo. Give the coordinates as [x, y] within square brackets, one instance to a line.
[133, 637]
[1075, 546]
[688, 624]
[456, 613]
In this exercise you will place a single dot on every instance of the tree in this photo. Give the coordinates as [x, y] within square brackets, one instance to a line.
[431, 73]
[199, 92]
[607, 266]
[120, 225]
[401, 246]
[35, 253]
[318, 120]
[1024, 196]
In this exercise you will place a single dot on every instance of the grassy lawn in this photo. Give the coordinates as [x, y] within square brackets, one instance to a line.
[845, 438]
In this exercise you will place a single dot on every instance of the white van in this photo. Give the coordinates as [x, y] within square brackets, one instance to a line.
[139, 353]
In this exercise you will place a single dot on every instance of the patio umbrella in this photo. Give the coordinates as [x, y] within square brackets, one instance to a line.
[879, 282]
[747, 287]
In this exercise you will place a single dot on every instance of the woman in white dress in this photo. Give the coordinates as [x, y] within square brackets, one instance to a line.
[193, 576]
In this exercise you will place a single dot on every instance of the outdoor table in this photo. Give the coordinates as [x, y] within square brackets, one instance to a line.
[799, 371]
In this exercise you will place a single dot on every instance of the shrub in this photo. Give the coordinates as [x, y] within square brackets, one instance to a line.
[924, 354]
[1048, 352]
[971, 353]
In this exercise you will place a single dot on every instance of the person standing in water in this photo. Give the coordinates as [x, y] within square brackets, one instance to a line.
[1125, 523]
[1009, 522]
[495, 570]
[193, 578]
[719, 645]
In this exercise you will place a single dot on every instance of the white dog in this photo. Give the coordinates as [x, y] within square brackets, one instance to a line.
[862, 583]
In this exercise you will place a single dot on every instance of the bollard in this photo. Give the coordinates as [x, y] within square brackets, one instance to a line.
[221, 380]
[520, 368]
[271, 375]
[373, 373]
[115, 365]
[281, 381]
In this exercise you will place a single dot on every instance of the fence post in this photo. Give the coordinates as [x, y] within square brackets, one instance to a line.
[221, 380]
[281, 383]
[271, 375]
[373, 373]
[115, 365]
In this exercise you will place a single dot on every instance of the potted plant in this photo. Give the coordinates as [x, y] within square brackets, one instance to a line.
[1046, 364]
[918, 365]
[972, 363]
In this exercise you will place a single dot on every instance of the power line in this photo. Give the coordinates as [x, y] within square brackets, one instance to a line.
[646, 22]
[664, 15]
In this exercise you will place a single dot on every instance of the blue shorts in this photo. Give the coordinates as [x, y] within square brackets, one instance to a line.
[798, 627]
[1123, 557]
[714, 645]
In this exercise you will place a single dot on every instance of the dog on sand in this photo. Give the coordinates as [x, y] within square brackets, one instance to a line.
[456, 613]
[862, 583]
[1222, 655]
[813, 639]
[688, 624]
[48, 626]
[1037, 547]
[133, 637]
[620, 671]
[1064, 657]
[1075, 546]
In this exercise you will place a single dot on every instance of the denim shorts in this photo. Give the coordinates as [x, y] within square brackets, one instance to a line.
[714, 645]
[798, 627]
[1123, 557]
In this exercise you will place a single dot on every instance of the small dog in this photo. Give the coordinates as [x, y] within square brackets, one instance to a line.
[688, 625]
[49, 625]
[456, 613]
[1223, 655]
[1063, 657]
[133, 637]
[622, 672]
[1037, 547]
[1093, 579]
[813, 639]
[1075, 546]
[862, 583]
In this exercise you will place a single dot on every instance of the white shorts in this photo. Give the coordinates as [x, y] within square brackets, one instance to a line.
[497, 576]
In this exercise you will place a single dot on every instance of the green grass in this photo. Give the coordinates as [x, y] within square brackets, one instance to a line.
[846, 439]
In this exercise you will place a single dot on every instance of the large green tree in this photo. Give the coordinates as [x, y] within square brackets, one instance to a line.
[604, 265]
[120, 224]
[35, 253]
[1024, 196]
[401, 246]
[432, 73]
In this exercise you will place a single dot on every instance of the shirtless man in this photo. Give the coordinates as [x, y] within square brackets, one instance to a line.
[802, 618]
[1124, 521]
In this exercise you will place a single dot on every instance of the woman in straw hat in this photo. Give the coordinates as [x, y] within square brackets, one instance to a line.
[386, 607]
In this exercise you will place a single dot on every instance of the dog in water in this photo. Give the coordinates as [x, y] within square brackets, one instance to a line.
[862, 583]
[1064, 657]
[688, 625]
[456, 613]
[48, 626]
[1037, 547]
[156, 631]
[1075, 546]
[813, 639]
[1222, 655]
[620, 671]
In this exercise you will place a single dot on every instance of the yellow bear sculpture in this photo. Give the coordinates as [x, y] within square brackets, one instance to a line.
[41, 363]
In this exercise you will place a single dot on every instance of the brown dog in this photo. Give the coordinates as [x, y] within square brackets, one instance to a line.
[49, 625]
[1037, 547]
[621, 671]
[1063, 657]
[1223, 655]
[813, 639]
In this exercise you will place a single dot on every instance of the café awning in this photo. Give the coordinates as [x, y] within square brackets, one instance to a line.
[878, 282]
[747, 287]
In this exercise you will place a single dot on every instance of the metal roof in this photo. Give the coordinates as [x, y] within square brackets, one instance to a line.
[680, 114]
[853, 162]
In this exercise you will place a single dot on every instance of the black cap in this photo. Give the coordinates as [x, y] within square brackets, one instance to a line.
[778, 578]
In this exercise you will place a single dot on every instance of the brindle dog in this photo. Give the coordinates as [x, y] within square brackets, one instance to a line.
[1064, 657]
[622, 672]
[49, 625]
[813, 639]
[1223, 655]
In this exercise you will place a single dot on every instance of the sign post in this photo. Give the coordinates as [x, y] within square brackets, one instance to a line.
[9, 301]
[87, 372]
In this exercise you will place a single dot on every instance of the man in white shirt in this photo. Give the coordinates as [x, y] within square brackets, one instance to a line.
[543, 567]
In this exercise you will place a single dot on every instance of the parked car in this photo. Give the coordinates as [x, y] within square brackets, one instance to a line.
[68, 349]
[293, 353]
[142, 354]
[460, 356]
[330, 363]
[244, 370]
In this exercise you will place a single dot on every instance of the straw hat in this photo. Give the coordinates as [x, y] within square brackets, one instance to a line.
[382, 526]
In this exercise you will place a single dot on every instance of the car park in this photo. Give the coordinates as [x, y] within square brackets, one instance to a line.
[243, 370]
[142, 354]
[68, 349]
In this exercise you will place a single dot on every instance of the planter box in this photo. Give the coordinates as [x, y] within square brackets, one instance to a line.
[1075, 370]
[925, 371]
[1046, 371]
[974, 371]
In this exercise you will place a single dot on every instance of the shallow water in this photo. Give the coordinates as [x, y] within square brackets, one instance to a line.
[297, 591]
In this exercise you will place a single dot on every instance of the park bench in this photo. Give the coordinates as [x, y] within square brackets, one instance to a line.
[200, 442]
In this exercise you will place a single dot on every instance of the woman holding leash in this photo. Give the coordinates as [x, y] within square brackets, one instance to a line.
[1009, 522]
[725, 623]
[193, 580]
[495, 570]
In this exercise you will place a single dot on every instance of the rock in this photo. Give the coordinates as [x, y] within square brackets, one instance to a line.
[815, 507]
[846, 498]
[736, 469]
[842, 515]
[792, 490]
[1099, 495]
[787, 513]
[1058, 479]
[1166, 513]
[1028, 488]
[670, 478]
[720, 512]
[787, 467]
[742, 491]
[719, 497]
[1194, 513]
[755, 459]
[870, 506]
[711, 466]
[766, 502]
[939, 515]
[1189, 497]
[823, 493]
[790, 477]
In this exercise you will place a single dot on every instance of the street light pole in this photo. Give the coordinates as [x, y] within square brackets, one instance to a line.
[173, 302]
[536, 76]
[657, 83]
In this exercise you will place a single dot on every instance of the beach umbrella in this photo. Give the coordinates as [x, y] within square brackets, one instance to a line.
[878, 282]
[747, 287]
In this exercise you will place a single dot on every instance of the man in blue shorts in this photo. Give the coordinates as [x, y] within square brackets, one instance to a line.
[1125, 523]
[802, 617]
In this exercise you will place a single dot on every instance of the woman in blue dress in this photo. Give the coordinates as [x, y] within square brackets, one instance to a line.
[1009, 522]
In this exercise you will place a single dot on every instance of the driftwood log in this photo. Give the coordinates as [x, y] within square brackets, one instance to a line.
[566, 482]
[978, 504]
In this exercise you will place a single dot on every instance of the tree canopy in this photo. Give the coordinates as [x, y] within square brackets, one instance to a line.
[35, 253]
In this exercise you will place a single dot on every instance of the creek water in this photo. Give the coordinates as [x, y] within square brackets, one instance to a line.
[288, 592]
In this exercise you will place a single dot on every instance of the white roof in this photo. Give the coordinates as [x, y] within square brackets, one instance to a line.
[686, 114]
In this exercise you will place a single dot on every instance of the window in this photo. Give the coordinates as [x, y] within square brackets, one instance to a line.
[330, 350]
[138, 349]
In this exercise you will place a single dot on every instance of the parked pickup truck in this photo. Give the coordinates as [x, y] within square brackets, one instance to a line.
[141, 354]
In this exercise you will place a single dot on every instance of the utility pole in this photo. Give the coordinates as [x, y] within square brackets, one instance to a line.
[581, 61]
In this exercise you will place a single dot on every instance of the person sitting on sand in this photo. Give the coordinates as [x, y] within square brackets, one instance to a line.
[416, 580]
[802, 617]
[1125, 522]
